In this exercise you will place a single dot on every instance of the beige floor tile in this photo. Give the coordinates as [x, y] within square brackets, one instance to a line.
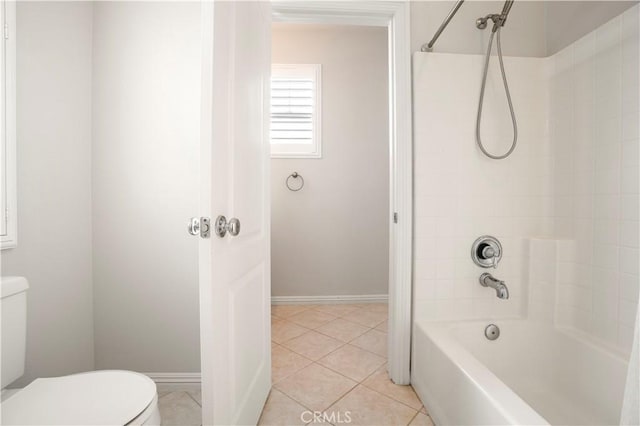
[342, 330]
[196, 395]
[319, 422]
[367, 407]
[285, 311]
[313, 345]
[383, 327]
[381, 383]
[367, 318]
[311, 318]
[281, 410]
[337, 310]
[283, 330]
[315, 387]
[285, 362]
[423, 410]
[178, 408]
[421, 420]
[376, 307]
[373, 341]
[353, 362]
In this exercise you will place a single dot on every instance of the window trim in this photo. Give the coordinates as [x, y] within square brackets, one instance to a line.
[283, 150]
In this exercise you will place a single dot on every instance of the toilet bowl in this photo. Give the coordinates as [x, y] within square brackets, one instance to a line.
[109, 397]
[106, 397]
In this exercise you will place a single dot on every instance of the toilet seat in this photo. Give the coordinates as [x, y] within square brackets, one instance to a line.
[109, 397]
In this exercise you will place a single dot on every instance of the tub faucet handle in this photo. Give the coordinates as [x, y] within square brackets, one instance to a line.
[492, 253]
[486, 251]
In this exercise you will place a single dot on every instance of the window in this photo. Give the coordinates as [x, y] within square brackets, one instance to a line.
[295, 111]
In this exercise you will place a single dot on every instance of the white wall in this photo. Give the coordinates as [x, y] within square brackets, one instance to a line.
[594, 119]
[146, 103]
[534, 28]
[54, 185]
[331, 238]
[461, 195]
[523, 34]
[583, 17]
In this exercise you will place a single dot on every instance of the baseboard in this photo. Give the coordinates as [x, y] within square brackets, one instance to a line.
[176, 381]
[318, 300]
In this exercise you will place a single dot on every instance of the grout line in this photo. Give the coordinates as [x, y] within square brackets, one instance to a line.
[300, 335]
[358, 382]
[414, 417]
[290, 397]
[342, 343]
[391, 398]
[353, 322]
[342, 395]
[396, 400]
[374, 372]
[191, 396]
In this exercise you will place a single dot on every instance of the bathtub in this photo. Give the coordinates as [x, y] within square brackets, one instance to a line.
[532, 374]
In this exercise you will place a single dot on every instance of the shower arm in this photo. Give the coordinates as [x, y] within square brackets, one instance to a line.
[498, 21]
[428, 46]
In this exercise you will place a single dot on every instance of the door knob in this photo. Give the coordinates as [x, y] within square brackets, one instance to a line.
[222, 226]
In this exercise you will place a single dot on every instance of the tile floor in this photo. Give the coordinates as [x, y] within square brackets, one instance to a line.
[327, 359]
[180, 408]
[331, 359]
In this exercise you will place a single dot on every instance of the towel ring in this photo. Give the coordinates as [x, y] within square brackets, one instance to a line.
[295, 175]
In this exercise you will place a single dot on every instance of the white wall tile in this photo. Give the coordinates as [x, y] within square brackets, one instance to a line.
[629, 207]
[630, 180]
[601, 150]
[565, 204]
[629, 287]
[629, 233]
[629, 260]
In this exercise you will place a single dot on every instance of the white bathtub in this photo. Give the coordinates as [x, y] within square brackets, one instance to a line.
[532, 374]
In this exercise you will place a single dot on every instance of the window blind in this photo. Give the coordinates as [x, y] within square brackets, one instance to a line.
[292, 109]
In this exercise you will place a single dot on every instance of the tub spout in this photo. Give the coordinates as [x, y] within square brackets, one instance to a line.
[487, 280]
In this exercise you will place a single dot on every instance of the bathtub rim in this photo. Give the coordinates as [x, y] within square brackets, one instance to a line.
[508, 403]
[500, 394]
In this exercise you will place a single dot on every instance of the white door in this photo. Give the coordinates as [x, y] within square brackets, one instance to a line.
[235, 270]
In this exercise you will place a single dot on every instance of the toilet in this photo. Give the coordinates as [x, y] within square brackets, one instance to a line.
[107, 397]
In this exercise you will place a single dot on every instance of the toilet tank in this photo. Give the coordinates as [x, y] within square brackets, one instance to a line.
[13, 291]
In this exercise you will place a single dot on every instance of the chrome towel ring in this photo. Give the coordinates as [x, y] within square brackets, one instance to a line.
[294, 175]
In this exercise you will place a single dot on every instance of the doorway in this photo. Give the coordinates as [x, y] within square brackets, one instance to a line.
[235, 270]
[393, 17]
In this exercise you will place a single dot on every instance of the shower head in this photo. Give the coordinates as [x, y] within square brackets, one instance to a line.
[498, 18]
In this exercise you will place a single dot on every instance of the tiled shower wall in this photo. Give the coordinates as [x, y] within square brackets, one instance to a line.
[565, 204]
[594, 122]
[460, 194]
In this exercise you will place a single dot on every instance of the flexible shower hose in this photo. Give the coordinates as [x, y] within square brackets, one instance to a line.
[506, 88]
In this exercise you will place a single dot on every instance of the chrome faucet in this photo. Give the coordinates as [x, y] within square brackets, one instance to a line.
[487, 280]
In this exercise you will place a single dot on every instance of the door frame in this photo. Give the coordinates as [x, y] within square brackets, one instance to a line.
[393, 15]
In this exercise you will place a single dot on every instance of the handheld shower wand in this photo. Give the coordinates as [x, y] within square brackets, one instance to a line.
[503, 16]
[498, 22]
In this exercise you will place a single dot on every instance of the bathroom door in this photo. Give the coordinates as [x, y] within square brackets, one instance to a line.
[235, 270]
